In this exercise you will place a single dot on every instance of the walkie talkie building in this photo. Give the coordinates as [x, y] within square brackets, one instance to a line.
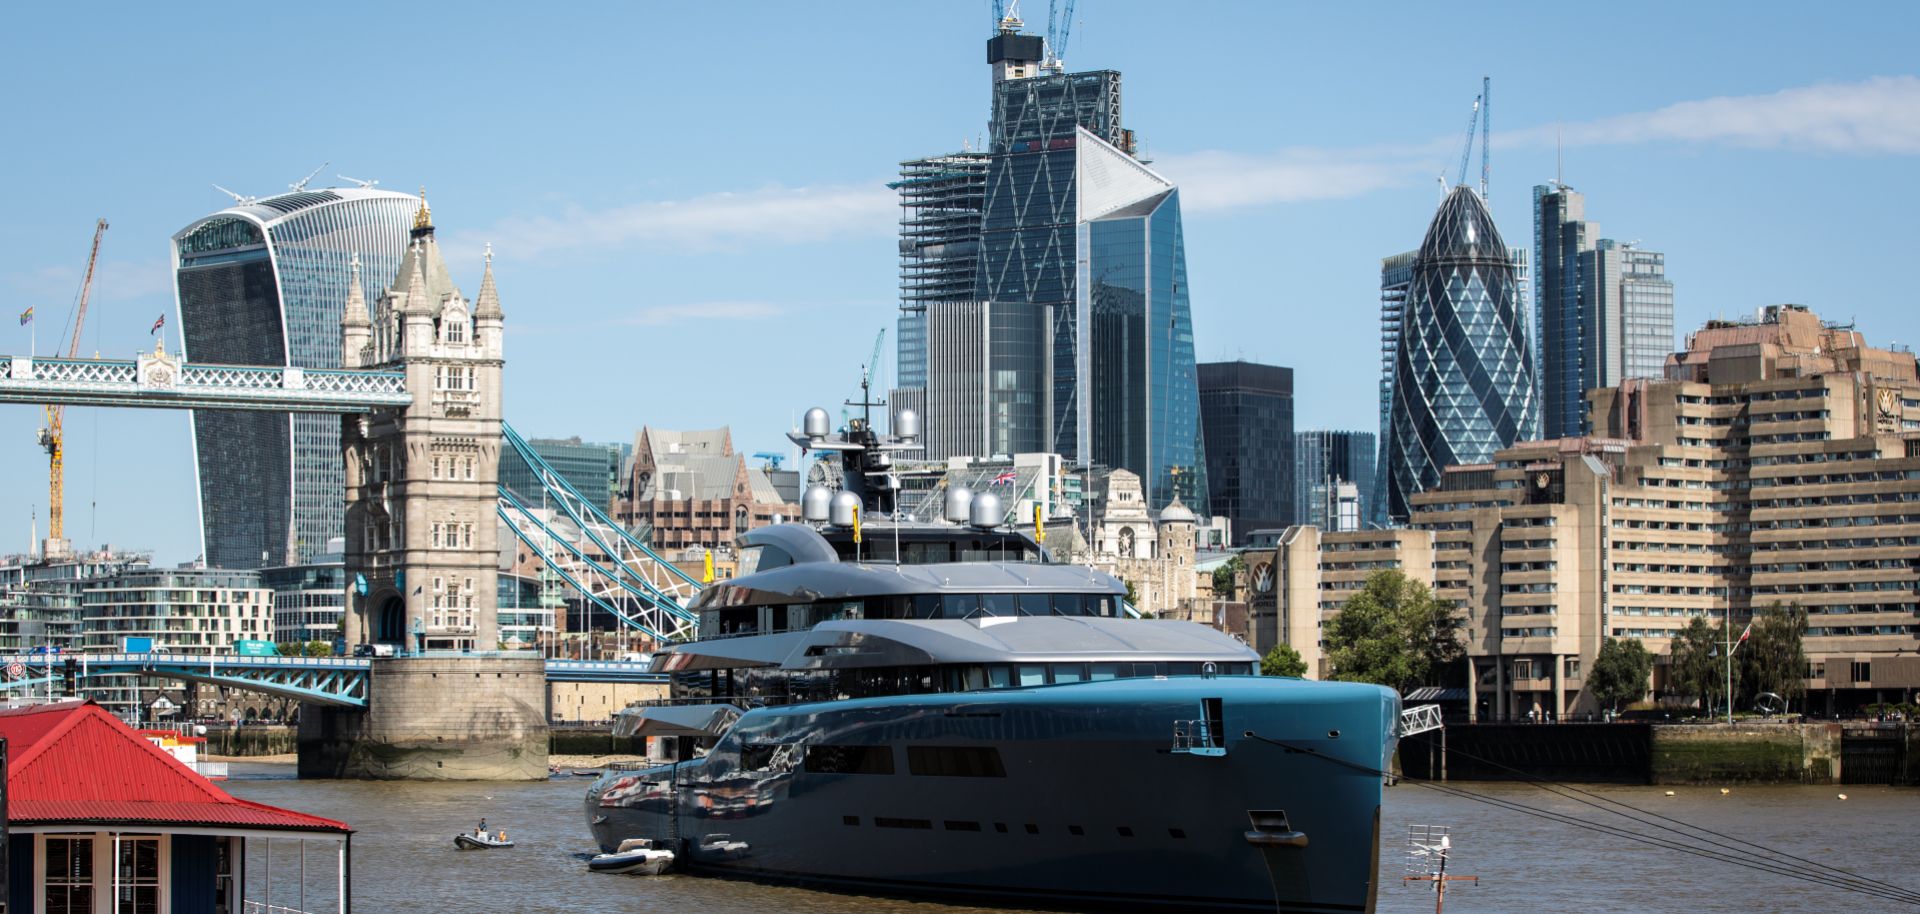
[264, 283]
[1463, 383]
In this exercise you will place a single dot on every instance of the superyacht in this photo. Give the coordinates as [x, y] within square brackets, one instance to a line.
[944, 710]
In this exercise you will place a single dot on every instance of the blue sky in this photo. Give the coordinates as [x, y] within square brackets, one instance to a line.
[688, 208]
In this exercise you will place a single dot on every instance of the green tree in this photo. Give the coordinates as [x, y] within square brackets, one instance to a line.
[1133, 599]
[1774, 659]
[1698, 670]
[1620, 673]
[1393, 632]
[1283, 660]
[1226, 577]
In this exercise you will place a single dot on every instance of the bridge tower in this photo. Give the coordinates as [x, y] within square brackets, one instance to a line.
[422, 481]
[422, 561]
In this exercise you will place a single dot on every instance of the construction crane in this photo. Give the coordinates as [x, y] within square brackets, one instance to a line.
[1059, 25]
[1486, 131]
[866, 376]
[1466, 152]
[50, 436]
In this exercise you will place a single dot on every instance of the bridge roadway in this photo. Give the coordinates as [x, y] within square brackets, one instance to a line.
[158, 379]
[336, 681]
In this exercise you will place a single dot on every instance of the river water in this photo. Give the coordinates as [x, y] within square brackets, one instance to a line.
[404, 861]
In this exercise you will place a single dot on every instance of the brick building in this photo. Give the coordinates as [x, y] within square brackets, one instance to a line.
[690, 489]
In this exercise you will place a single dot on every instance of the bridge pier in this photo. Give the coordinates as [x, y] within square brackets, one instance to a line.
[446, 718]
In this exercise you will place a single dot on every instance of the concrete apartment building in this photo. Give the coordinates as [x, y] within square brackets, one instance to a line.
[1300, 581]
[1778, 463]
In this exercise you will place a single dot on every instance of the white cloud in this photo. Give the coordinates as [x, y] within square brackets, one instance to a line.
[1215, 180]
[1879, 116]
[1876, 116]
[658, 315]
[772, 215]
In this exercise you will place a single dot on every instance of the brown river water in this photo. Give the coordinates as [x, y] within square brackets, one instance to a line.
[404, 860]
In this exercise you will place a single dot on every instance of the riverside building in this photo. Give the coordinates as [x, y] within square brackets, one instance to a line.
[1777, 463]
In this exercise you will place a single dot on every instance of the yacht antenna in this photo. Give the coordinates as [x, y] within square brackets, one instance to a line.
[1428, 849]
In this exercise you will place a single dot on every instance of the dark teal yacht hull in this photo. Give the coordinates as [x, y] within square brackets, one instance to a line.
[1075, 795]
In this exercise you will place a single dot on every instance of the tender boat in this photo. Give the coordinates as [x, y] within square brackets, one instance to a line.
[635, 856]
[468, 841]
[943, 710]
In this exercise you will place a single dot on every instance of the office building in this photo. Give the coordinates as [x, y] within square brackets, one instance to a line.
[1778, 464]
[592, 468]
[1396, 276]
[263, 283]
[1246, 416]
[1082, 260]
[309, 601]
[1463, 383]
[40, 609]
[1634, 305]
[940, 205]
[1303, 576]
[983, 375]
[1603, 309]
[1323, 460]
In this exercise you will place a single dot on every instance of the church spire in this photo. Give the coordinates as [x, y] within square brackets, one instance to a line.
[487, 304]
[416, 278]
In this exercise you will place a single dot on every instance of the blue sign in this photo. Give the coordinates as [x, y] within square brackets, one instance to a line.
[360, 584]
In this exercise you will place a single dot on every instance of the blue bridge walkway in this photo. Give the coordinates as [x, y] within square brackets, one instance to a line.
[338, 681]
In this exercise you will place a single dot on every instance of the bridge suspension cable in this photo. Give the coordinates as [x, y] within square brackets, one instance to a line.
[610, 567]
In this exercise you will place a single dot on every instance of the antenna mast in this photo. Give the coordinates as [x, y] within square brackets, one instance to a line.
[1428, 849]
[1486, 131]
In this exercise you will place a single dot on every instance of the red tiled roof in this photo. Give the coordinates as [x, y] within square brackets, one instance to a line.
[74, 762]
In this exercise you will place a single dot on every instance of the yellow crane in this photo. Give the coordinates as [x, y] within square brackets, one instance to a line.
[50, 436]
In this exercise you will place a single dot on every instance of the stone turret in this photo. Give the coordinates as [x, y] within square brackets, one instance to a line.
[356, 330]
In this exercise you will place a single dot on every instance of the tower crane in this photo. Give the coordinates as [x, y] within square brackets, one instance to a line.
[866, 375]
[51, 437]
[1466, 152]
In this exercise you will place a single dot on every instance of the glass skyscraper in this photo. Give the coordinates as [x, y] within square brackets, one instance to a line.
[1604, 310]
[592, 468]
[264, 283]
[1082, 268]
[1246, 411]
[1396, 274]
[1463, 384]
[1322, 460]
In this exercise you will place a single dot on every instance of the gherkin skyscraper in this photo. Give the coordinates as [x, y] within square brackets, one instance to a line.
[1463, 383]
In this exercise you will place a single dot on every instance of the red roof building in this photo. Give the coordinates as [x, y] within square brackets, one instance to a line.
[84, 789]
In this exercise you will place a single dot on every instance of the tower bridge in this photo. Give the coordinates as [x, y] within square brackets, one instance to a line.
[422, 435]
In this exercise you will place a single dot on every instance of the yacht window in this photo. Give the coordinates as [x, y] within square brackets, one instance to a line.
[849, 760]
[997, 604]
[976, 679]
[958, 605]
[1105, 671]
[955, 761]
[1033, 675]
[1069, 672]
[926, 553]
[1100, 606]
[1034, 604]
[1067, 604]
[926, 606]
[999, 677]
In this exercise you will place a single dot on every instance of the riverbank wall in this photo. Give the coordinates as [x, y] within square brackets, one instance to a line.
[1750, 752]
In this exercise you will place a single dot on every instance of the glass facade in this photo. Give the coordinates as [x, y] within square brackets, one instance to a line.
[308, 601]
[264, 283]
[1322, 460]
[1604, 310]
[592, 468]
[1396, 274]
[1463, 384]
[1138, 375]
[1246, 411]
